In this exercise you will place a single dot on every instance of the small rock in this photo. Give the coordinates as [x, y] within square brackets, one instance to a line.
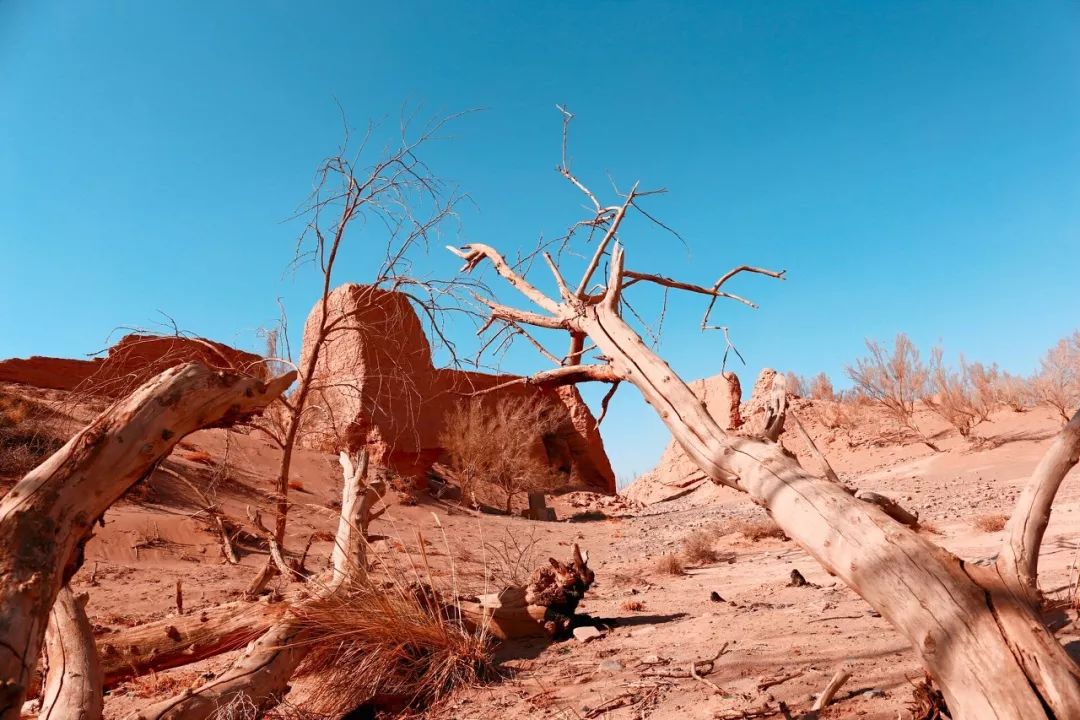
[611, 666]
[715, 597]
[874, 693]
[587, 633]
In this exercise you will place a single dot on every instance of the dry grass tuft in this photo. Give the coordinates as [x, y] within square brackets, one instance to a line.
[669, 565]
[157, 685]
[757, 529]
[633, 605]
[991, 522]
[25, 438]
[389, 639]
[697, 547]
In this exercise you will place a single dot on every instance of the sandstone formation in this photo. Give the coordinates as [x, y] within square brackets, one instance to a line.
[377, 387]
[128, 364]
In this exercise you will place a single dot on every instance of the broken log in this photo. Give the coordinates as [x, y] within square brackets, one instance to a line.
[73, 686]
[47, 517]
[175, 641]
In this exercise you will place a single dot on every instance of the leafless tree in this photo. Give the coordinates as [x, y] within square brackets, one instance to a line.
[399, 205]
[963, 397]
[976, 629]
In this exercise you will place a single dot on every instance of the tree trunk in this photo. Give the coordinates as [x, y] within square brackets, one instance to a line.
[73, 688]
[177, 641]
[984, 645]
[47, 517]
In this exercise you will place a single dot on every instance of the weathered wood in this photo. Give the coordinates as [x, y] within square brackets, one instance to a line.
[73, 687]
[892, 508]
[47, 517]
[261, 675]
[176, 641]
[1018, 562]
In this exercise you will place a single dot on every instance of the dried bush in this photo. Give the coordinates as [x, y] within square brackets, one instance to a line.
[26, 439]
[756, 529]
[633, 605]
[389, 638]
[821, 388]
[1058, 381]
[697, 547]
[512, 559]
[964, 398]
[669, 565]
[796, 384]
[493, 445]
[896, 381]
[1014, 392]
[991, 522]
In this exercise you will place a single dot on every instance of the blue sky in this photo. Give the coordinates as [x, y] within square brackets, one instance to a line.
[914, 166]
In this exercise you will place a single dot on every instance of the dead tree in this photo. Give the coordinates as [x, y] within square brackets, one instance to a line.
[390, 193]
[976, 629]
[46, 519]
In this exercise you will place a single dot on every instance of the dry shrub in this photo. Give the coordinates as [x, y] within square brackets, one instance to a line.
[895, 382]
[756, 529]
[697, 547]
[796, 384]
[633, 605]
[1014, 392]
[964, 398]
[156, 685]
[512, 559]
[26, 439]
[389, 639]
[991, 522]
[669, 565]
[1058, 382]
[821, 388]
[499, 444]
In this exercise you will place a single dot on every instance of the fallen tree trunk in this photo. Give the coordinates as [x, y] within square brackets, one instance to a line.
[260, 677]
[177, 641]
[982, 641]
[73, 687]
[46, 518]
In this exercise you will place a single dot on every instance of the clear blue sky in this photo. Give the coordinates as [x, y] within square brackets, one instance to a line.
[915, 166]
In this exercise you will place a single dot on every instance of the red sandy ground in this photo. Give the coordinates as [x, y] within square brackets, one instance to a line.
[770, 630]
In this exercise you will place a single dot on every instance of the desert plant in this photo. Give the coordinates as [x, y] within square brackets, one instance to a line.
[668, 564]
[821, 388]
[755, 529]
[389, 637]
[497, 444]
[796, 384]
[697, 547]
[991, 522]
[964, 398]
[896, 381]
[1014, 392]
[1058, 381]
[511, 560]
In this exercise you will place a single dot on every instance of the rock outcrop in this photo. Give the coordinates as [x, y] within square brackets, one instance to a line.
[129, 363]
[377, 387]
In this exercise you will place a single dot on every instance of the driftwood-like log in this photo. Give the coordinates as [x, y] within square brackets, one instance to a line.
[73, 687]
[47, 517]
[177, 641]
[261, 675]
[1018, 562]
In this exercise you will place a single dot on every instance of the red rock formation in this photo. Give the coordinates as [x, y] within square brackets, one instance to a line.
[128, 364]
[376, 386]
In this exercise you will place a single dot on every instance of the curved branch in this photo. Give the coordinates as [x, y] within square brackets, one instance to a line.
[556, 377]
[778, 274]
[1018, 563]
[474, 253]
[47, 517]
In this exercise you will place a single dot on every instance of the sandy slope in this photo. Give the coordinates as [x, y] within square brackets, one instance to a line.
[157, 536]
